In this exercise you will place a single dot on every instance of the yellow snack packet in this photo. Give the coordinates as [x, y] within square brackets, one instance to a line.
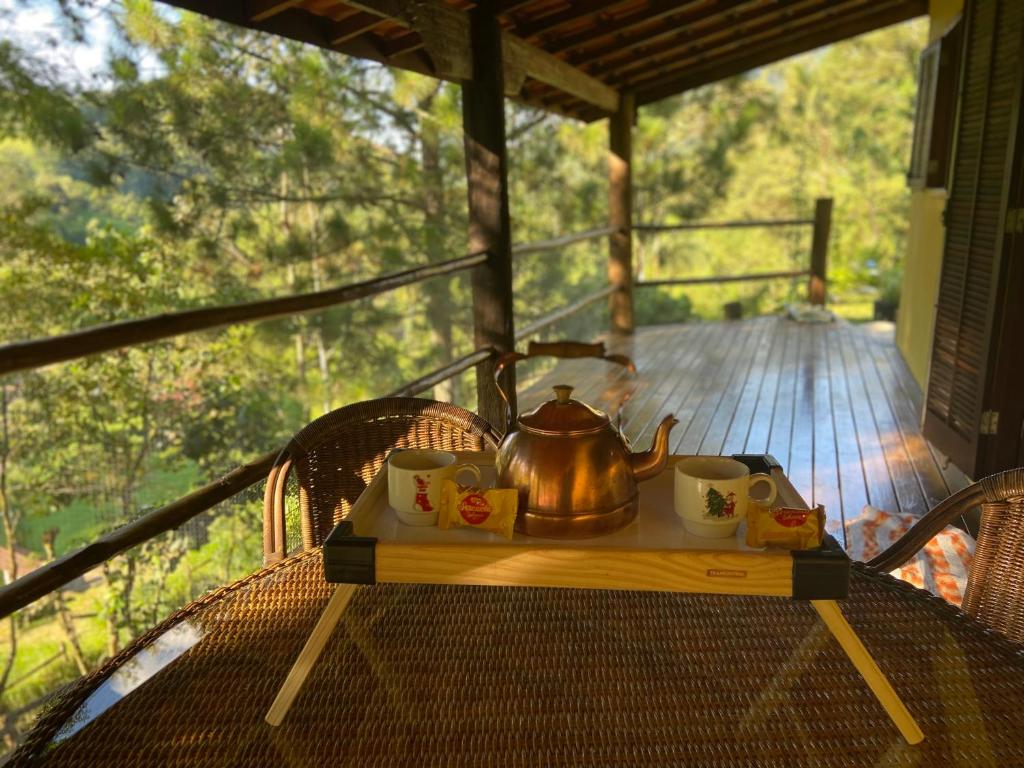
[490, 509]
[784, 526]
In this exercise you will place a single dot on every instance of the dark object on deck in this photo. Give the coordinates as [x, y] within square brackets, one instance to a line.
[357, 437]
[764, 463]
[885, 310]
[467, 676]
[733, 310]
[994, 587]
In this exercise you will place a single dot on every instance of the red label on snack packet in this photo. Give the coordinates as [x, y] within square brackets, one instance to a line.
[790, 518]
[474, 509]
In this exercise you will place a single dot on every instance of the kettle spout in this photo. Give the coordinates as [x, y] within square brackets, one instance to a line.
[649, 463]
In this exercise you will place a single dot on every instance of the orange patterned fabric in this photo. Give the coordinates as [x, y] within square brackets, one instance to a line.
[941, 567]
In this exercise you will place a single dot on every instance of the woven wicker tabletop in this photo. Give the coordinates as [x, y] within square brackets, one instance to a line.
[486, 676]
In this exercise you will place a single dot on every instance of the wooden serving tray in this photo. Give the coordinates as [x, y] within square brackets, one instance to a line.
[654, 552]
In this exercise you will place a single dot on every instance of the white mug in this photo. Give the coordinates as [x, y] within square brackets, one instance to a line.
[415, 477]
[711, 494]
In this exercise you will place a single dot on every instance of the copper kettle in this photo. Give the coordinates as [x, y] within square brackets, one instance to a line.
[575, 472]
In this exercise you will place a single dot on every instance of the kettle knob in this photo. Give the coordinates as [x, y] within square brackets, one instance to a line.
[562, 393]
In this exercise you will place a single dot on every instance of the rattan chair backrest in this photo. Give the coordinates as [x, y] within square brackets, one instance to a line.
[336, 456]
[995, 587]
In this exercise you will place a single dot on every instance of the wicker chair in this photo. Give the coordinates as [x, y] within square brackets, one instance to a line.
[995, 587]
[337, 455]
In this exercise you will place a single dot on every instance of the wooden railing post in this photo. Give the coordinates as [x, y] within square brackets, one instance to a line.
[819, 249]
[620, 214]
[483, 122]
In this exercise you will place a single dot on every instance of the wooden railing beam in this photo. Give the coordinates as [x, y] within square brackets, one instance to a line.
[561, 242]
[722, 225]
[560, 314]
[454, 368]
[723, 278]
[38, 352]
[47, 578]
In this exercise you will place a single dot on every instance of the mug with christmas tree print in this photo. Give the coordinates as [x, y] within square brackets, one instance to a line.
[711, 494]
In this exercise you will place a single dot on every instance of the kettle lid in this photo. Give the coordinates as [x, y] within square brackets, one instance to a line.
[563, 415]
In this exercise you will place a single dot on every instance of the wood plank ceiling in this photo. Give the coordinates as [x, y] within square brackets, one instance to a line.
[574, 56]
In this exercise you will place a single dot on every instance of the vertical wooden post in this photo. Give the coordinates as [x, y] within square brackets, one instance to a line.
[620, 214]
[819, 249]
[483, 123]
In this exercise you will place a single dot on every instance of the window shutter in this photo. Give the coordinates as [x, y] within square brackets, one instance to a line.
[975, 213]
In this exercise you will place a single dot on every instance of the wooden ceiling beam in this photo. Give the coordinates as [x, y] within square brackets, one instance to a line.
[443, 29]
[508, 6]
[732, 32]
[689, 18]
[444, 52]
[618, 26]
[573, 13]
[806, 23]
[445, 34]
[878, 16]
[304, 27]
[690, 26]
[542, 66]
[631, 47]
[404, 44]
[260, 10]
[358, 24]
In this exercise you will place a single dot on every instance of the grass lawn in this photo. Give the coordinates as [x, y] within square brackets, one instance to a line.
[42, 640]
[81, 522]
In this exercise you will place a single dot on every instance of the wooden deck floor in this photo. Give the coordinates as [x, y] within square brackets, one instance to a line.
[835, 404]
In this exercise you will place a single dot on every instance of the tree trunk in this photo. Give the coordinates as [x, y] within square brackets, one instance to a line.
[439, 290]
[113, 640]
[64, 620]
[298, 320]
[10, 525]
[322, 357]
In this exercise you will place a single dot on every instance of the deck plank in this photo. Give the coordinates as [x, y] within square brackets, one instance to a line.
[825, 465]
[853, 491]
[800, 468]
[764, 411]
[723, 390]
[781, 434]
[649, 406]
[676, 388]
[876, 473]
[894, 380]
[757, 375]
[738, 399]
[705, 387]
[909, 497]
[834, 403]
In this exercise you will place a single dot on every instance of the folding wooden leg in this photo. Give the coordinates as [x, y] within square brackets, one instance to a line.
[310, 653]
[877, 682]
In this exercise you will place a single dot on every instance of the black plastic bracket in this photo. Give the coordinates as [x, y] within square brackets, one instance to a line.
[349, 559]
[821, 574]
[758, 462]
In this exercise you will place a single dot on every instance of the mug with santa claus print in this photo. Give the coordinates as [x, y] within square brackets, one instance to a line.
[711, 494]
[415, 477]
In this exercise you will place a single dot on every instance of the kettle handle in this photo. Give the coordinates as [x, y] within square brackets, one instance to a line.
[562, 349]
